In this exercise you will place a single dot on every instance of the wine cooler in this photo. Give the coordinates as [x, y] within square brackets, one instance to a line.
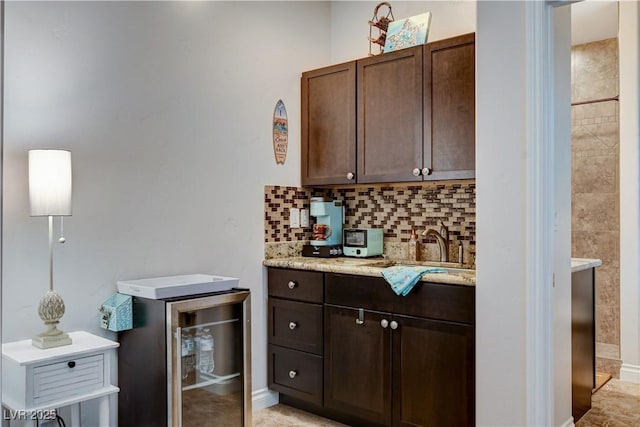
[186, 362]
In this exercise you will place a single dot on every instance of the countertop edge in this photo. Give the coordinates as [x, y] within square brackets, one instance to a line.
[325, 265]
[580, 264]
[312, 264]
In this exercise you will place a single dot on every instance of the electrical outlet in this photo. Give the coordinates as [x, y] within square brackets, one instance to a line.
[304, 218]
[294, 218]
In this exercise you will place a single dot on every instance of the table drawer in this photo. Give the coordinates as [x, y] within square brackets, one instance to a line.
[297, 325]
[297, 285]
[68, 378]
[296, 374]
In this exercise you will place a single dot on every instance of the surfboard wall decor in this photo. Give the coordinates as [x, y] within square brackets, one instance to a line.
[280, 132]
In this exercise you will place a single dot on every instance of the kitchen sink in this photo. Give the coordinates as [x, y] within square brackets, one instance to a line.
[351, 261]
[451, 267]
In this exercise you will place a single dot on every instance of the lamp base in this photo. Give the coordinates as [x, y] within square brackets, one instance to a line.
[51, 309]
[50, 341]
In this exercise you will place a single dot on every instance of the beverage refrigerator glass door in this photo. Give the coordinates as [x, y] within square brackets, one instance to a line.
[208, 347]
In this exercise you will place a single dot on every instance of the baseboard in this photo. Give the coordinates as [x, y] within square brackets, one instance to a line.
[568, 423]
[263, 398]
[630, 373]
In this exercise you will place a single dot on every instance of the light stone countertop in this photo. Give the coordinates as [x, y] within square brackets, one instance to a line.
[373, 267]
[579, 264]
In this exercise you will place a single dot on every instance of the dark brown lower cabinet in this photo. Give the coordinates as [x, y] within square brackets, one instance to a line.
[428, 364]
[433, 373]
[357, 364]
[367, 357]
[583, 343]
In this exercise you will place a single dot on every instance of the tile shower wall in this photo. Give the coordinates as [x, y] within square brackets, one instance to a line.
[396, 208]
[595, 186]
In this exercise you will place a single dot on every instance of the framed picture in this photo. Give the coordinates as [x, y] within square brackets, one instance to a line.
[407, 32]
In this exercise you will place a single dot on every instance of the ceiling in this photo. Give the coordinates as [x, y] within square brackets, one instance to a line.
[593, 20]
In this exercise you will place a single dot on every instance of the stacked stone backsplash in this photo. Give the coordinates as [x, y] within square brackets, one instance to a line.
[397, 208]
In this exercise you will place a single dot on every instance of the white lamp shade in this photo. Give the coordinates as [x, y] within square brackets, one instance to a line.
[50, 182]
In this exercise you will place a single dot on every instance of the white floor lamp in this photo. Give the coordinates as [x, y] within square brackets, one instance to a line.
[50, 195]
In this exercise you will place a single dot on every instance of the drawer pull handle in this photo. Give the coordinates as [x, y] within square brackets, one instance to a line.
[292, 284]
[292, 374]
[293, 325]
[71, 364]
[394, 324]
[360, 319]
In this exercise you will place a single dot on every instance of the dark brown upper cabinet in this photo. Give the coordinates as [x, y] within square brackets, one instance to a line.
[449, 108]
[389, 103]
[403, 116]
[329, 125]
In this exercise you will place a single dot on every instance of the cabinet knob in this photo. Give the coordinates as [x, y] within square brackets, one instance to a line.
[394, 324]
[426, 171]
[416, 172]
[293, 325]
[292, 374]
[350, 176]
[292, 284]
[71, 364]
[384, 323]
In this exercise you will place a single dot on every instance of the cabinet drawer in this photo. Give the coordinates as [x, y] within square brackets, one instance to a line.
[428, 300]
[297, 325]
[296, 374]
[68, 378]
[297, 285]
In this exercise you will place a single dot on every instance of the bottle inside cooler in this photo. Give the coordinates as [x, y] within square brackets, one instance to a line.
[205, 356]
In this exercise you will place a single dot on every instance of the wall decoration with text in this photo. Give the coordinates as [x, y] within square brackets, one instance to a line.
[280, 132]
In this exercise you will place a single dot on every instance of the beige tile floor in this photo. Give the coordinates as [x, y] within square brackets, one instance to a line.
[616, 404]
[286, 416]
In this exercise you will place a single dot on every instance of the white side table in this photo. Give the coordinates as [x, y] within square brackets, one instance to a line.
[36, 380]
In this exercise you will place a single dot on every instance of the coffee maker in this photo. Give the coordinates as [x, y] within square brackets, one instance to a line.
[327, 231]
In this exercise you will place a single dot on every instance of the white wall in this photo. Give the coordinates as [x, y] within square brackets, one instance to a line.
[562, 227]
[593, 20]
[500, 217]
[522, 158]
[166, 108]
[350, 28]
[629, 45]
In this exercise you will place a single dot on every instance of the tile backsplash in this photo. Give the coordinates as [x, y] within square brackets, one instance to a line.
[397, 208]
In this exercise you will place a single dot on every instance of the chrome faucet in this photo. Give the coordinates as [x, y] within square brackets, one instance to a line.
[442, 237]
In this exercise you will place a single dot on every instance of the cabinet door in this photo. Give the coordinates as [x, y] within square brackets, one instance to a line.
[433, 373]
[449, 108]
[390, 116]
[329, 125]
[583, 354]
[357, 364]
